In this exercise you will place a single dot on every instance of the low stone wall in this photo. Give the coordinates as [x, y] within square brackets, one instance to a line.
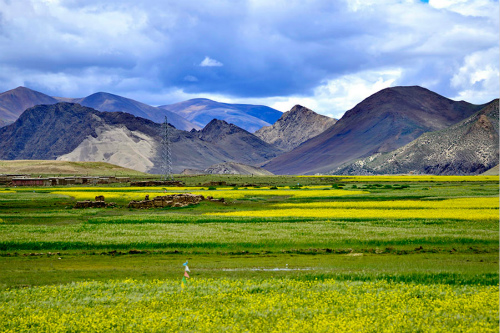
[98, 203]
[174, 200]
[157, 183]
[94, 204]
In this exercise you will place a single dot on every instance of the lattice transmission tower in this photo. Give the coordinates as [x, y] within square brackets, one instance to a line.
[166, 153]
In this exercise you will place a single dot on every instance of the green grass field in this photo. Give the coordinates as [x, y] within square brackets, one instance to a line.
[435, 238]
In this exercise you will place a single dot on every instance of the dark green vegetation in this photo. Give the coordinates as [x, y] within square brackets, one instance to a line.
[78, 266]
[38, 227]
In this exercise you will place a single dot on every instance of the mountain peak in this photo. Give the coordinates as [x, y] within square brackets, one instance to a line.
[21, 88]
[382, 122]
[217, 122]
[295, 127]
[15, 101]
[468, 147]
[300, 109]
[217, 128]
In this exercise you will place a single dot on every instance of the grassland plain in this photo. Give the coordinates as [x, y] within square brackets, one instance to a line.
[304, 254]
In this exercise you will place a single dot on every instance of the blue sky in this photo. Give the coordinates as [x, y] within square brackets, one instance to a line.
[326, 55]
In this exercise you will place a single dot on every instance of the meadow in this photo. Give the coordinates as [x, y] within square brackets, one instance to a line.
[314, 253]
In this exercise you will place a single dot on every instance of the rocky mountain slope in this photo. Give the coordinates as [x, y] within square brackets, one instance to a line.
[294, 127]
[230, 168]
[467, 148]
[71, 132]
[201, 111]
[15, 101]
[381, 123]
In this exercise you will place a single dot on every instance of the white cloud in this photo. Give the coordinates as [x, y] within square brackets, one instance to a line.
[478, 76]
[483, 8]
[341, 52]
[209, 62]
[334, 97]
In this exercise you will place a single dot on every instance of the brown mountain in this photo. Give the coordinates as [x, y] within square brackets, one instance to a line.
[71, 132]
[235, 141]
[294, 127]
[201, 111]
[381, 123]
[15, 101]
[467, 148]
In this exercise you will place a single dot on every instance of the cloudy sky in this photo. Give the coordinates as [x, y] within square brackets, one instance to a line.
[324, 54]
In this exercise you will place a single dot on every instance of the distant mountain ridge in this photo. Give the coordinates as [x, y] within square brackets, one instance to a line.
[112, 103]
[381, 123]
[467, 148]
[201, 111]
[14, 102]
[294, 127]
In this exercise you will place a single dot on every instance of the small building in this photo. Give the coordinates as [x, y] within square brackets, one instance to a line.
[24, 181]
[103, 180]
[122, 179]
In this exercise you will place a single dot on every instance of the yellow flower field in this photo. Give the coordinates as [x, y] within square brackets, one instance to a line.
[219, 193]
[416, 178]
[352, 213]
[468, 203]
[275, 305]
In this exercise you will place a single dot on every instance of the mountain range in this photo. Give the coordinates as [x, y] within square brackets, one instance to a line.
[113, 103]
[397, 130]
[201, 111]
[381, 123]
[469, 147]
[71, 132]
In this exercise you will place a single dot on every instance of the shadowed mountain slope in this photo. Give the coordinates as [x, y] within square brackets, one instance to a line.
[467, 148]
[201, 111]
[381, 123]
[294, 127]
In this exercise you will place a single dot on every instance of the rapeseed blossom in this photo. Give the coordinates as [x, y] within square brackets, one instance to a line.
[274, 305]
